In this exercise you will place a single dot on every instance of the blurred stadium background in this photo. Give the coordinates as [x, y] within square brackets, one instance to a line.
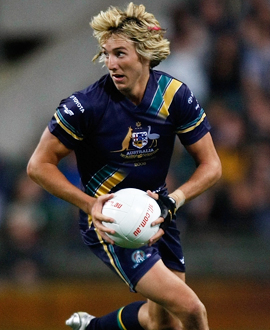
[221, 49]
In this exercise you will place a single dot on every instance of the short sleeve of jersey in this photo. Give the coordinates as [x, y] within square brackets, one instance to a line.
[189, 117]
[68, 123]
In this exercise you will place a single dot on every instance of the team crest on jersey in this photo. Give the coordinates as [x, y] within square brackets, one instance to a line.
[143, 139]
[139, 139]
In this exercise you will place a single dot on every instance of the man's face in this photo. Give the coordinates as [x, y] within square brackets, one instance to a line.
[129, 72]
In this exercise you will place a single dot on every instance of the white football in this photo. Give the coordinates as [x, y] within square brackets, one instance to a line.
[133, 212]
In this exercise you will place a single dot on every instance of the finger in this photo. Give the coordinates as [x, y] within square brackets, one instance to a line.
[106, 238]
[97, 214]
[103, 228]
[99, 203]
[104, 218]
[157, 222]
[151, 194]
[156, 237]
[105, 198]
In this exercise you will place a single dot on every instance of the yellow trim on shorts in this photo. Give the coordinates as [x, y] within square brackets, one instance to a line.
[105, 247]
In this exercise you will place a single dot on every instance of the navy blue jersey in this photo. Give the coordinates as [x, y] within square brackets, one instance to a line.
[119, 144]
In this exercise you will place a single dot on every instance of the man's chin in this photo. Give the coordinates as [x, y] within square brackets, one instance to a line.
[122, 89]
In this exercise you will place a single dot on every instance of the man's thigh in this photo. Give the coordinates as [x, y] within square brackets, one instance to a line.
[166, 288]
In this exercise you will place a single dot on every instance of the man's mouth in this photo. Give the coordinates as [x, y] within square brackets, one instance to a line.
[118, 77]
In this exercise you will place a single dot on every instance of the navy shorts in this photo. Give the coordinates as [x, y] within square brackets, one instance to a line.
[132, 264]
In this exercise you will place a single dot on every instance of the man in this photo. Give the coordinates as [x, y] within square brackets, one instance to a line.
[109, 127]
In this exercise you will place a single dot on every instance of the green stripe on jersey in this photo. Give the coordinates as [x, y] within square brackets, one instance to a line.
[104, 180]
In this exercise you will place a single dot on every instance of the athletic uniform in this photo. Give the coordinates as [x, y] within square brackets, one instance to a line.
[121, 145]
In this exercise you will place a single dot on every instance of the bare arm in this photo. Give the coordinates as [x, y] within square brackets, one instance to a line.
[43, 169]
[207, 173]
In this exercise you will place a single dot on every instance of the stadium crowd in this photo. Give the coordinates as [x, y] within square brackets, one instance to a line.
[221, 49]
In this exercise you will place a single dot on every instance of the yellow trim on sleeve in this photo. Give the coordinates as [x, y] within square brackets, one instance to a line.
[76, 137]
[192, 127]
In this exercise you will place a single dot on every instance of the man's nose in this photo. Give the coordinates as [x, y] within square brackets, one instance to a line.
[112, 62]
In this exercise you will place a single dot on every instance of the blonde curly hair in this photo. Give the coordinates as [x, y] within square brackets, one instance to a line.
[136, 25]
